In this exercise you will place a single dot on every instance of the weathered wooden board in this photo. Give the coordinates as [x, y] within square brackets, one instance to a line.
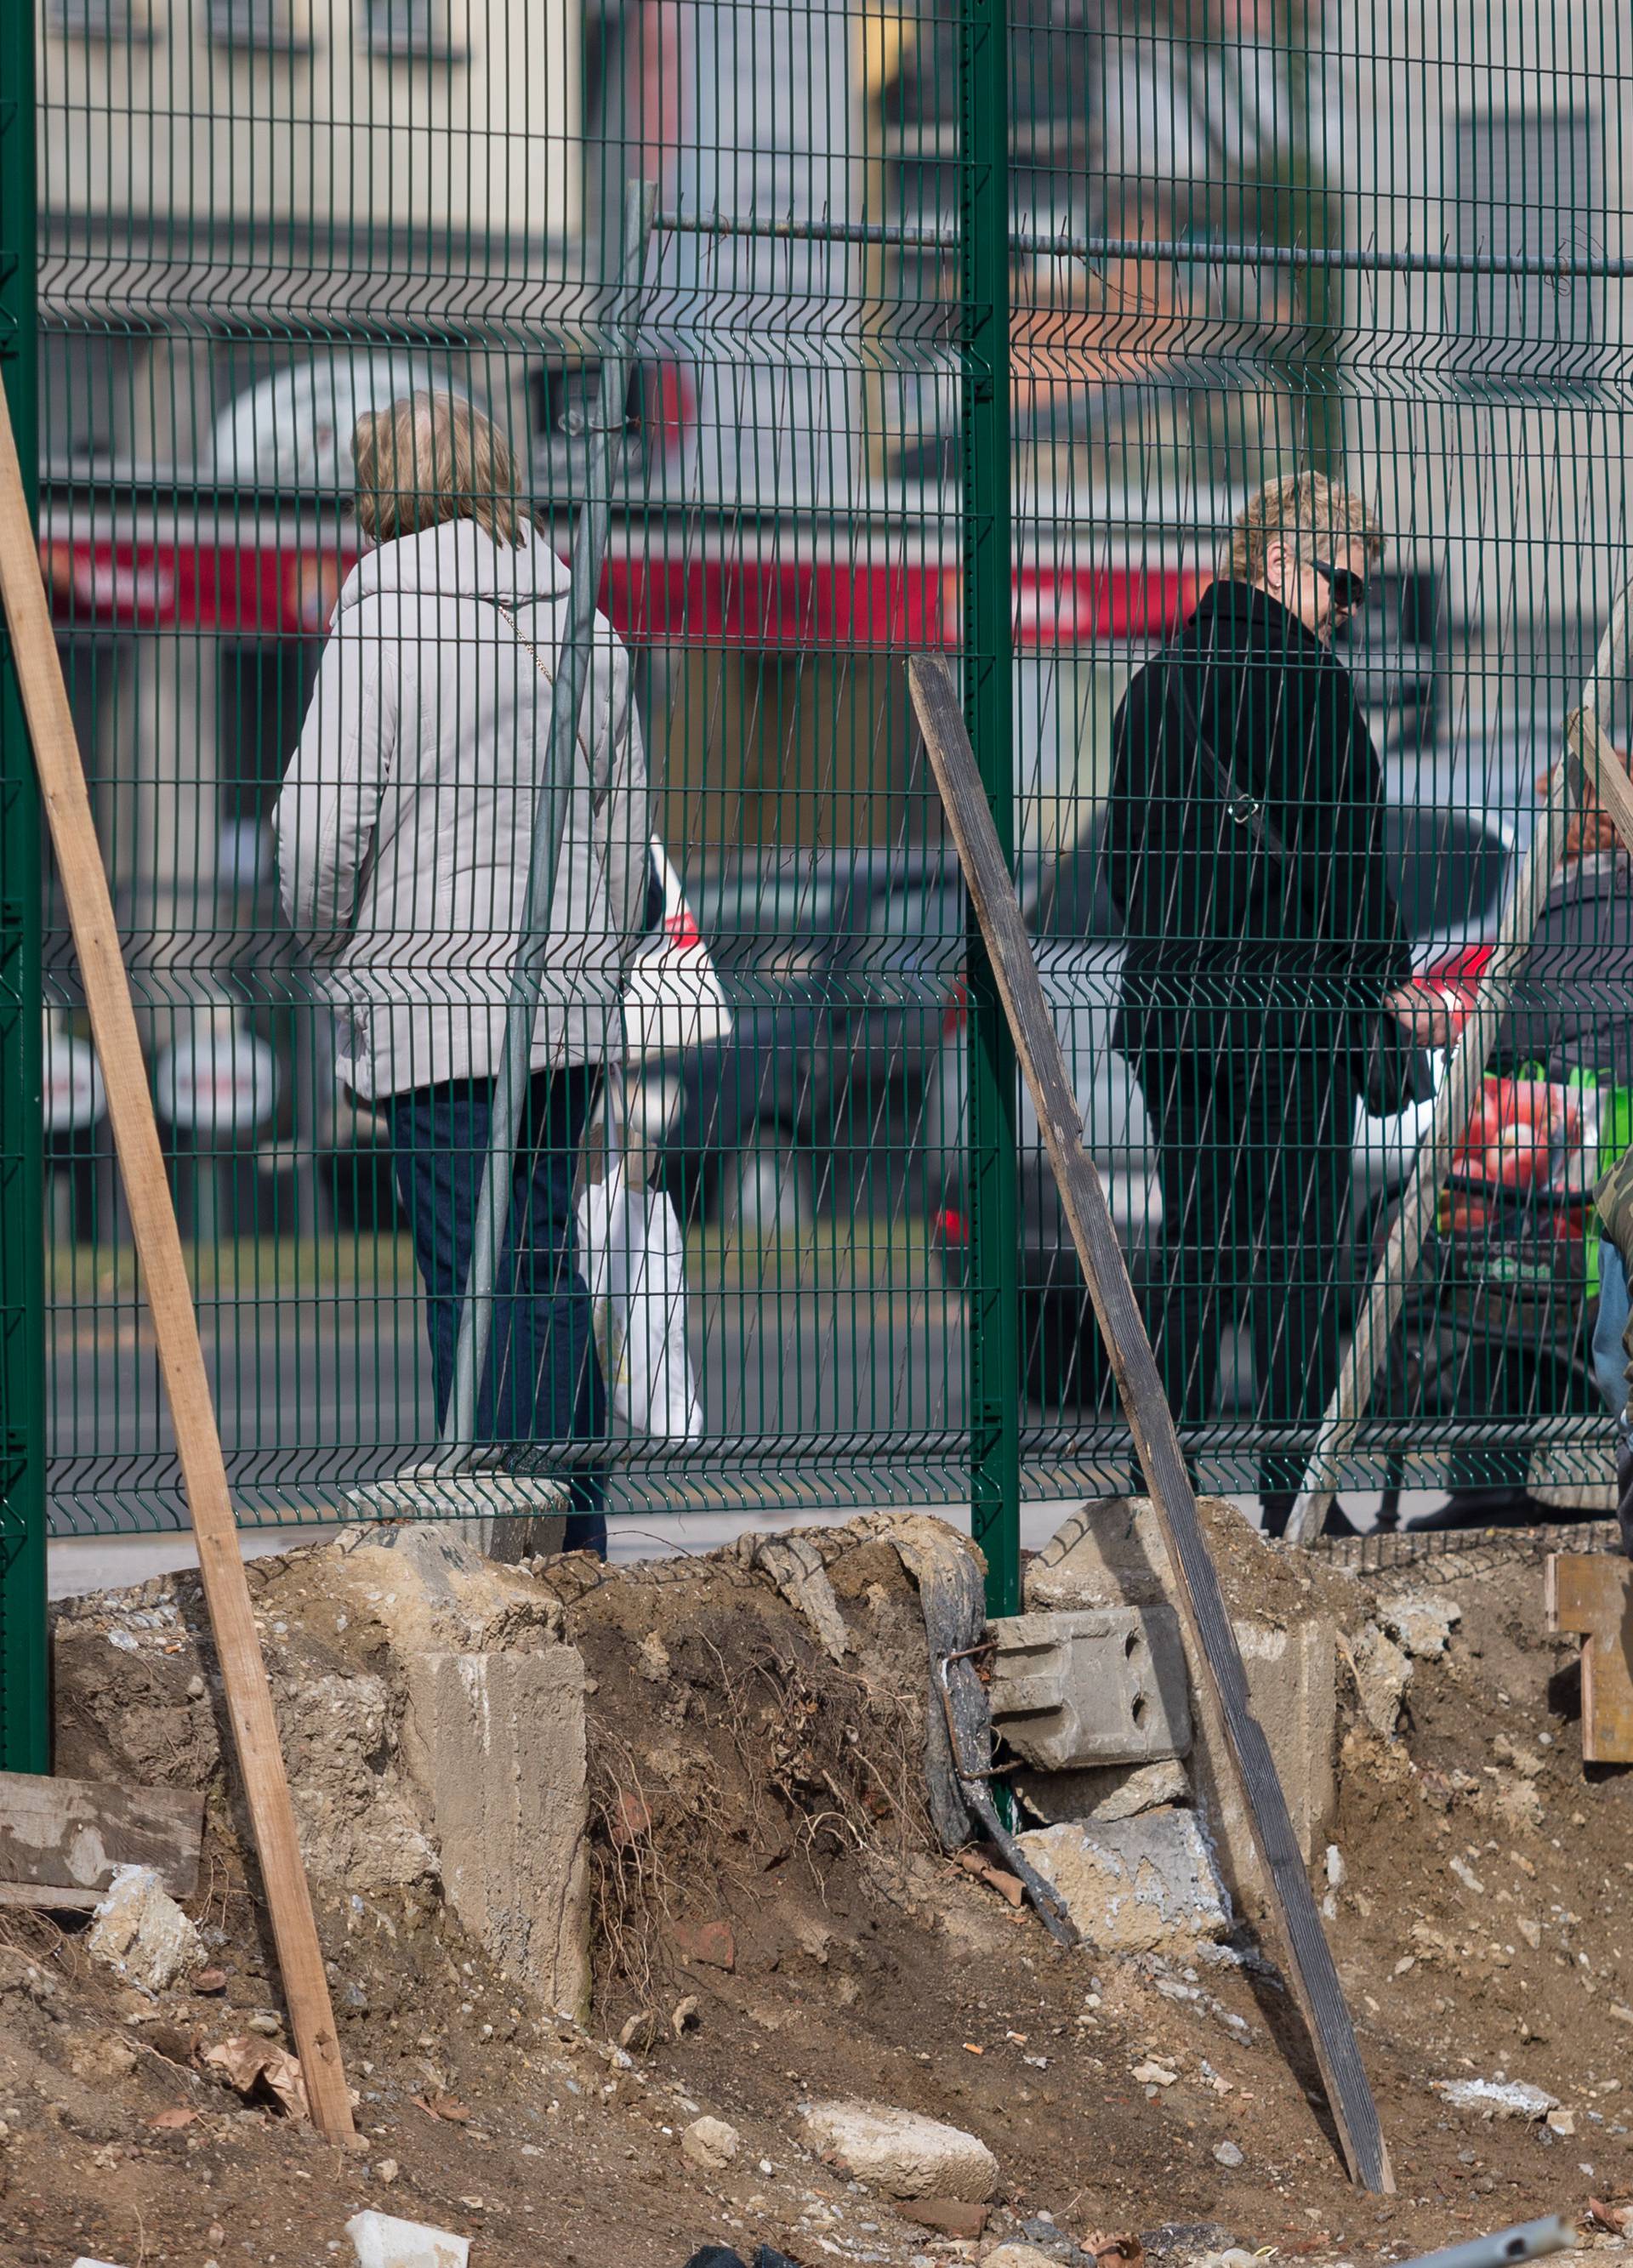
[1590, 1594]
[1313, 1977]
[71, 1834]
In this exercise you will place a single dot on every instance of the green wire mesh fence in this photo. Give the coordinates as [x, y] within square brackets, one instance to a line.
[959, 325]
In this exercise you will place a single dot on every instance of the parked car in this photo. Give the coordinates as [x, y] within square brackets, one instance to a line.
[1448, 868]
[837, 967]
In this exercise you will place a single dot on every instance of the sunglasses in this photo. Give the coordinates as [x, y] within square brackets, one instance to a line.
[1349, 590]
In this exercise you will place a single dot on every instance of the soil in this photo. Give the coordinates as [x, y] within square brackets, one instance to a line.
[773, 1922]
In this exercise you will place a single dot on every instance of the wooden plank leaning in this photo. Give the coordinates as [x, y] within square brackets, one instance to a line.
[170, 1299]
[1313, 1976]
[1460, 1087]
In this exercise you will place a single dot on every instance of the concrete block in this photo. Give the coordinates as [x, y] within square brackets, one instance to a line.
[497, 1742]
[1106, 1686]
[1144, 1885]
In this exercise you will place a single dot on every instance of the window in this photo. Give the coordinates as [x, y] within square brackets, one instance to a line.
[407, 31]
[264, 24]
[1526, 185]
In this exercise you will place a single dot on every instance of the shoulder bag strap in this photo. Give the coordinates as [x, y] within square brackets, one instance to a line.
[1243, 809]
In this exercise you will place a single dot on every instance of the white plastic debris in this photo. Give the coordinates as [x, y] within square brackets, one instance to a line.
[382, 2242]
[140, 1932]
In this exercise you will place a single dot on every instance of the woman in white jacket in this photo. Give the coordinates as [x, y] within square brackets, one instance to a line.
[404, 829]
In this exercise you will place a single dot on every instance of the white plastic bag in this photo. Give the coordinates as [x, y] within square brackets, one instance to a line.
[673, 999]
[633, 1254]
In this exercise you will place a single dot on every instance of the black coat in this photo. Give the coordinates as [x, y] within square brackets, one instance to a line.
[1230, 949]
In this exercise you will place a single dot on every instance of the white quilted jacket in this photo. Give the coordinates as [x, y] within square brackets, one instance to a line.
[405, 818]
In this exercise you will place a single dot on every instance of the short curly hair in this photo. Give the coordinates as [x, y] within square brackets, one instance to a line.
[1306, 512]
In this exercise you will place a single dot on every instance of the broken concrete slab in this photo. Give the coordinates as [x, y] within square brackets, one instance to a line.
[1103, 1792]
[900, 2152]
[1105, 1685]
[1144, 1885]
[141, 1934]
[498, 1742]
[381, 2241]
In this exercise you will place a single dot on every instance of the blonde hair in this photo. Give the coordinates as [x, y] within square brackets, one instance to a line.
[1307, 512]
[431, 457]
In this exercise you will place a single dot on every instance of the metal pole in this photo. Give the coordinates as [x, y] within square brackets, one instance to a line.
[589, 545]
[25, 1701]
[995, 1375]
[1453, 1107]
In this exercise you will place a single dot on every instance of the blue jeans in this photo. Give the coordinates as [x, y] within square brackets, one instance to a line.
[1609, 1358]
[542, 1381]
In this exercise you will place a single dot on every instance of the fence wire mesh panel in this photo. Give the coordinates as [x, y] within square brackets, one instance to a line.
[1234, 385]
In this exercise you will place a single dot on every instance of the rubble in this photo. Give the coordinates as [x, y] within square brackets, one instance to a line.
[1140, 1885]
[759, 1787]
[1512, 2098]
[900, 2152]
[140, 1932]
[709, 2143]
[382, 2242]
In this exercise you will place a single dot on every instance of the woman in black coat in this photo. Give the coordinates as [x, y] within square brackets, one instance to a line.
[1265, 974]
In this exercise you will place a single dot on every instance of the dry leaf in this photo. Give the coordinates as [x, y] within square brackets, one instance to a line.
[1616, 2218]
[171, 2122]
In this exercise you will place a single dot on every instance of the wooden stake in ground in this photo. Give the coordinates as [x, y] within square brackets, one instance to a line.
[1083, 1199]
[1455, 1102]
[170, 1299]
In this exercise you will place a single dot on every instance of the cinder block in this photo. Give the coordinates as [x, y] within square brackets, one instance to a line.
[498, 1742]
[1104, 1687]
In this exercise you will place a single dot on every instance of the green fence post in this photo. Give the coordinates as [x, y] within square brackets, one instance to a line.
[994, 1350]
[25, 1713]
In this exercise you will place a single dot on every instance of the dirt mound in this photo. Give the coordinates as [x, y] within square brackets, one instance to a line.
[773, 1922]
